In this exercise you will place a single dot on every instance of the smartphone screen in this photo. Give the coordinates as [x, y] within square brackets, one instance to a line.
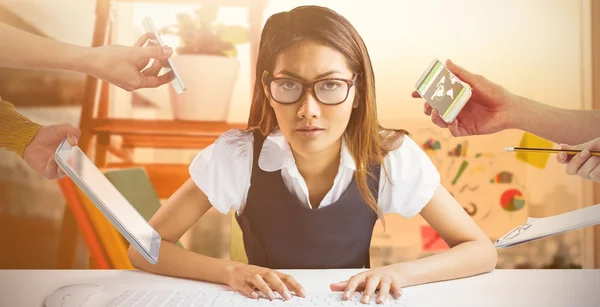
[441, 88]
[168, 65]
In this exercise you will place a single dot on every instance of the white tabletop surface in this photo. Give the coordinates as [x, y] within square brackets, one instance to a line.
[499, 288]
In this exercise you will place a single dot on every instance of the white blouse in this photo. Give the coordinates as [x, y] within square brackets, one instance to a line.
[223, 170]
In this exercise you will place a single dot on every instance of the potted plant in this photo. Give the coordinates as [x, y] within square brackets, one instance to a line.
[207, 61]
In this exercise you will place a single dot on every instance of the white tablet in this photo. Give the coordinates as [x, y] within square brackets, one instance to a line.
[115, 207]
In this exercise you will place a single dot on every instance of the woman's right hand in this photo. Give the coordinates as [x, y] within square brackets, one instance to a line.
[490, 109]
[248, 279]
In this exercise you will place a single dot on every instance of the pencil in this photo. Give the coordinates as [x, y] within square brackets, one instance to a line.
[548, 150]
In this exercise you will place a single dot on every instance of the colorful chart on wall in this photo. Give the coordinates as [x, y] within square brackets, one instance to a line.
[488, 185]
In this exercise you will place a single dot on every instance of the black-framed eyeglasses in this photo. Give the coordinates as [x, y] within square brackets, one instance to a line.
[329, 91]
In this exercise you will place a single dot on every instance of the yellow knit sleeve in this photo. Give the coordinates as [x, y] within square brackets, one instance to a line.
[16, 131]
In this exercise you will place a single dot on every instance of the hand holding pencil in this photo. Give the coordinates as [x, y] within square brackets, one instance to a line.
[561, 152]
[582, 160]
[586, 164]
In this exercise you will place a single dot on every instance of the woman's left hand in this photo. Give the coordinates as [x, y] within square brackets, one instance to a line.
[385, 279]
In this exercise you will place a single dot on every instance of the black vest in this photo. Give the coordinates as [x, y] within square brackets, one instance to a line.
[282, 233]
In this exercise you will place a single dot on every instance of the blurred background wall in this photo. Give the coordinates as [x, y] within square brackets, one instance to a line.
[536, 48]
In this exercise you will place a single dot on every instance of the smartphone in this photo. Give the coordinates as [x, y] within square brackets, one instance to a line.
[443, 90]
[155, 37]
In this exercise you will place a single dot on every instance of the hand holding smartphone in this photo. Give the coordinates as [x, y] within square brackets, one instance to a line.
[443, 90]
[155, 37]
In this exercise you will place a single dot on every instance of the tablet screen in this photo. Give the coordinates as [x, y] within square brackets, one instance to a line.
[105, 196]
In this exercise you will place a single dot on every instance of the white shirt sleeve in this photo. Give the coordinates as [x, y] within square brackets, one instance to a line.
[222, 170]
[413, 177]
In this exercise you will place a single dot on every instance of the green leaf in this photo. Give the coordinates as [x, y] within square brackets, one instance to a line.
[199, 35]
[234, 34]
[231, 53]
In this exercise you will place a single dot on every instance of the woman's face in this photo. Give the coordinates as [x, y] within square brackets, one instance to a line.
[309, 125]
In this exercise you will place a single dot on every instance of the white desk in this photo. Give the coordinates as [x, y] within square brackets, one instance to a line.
[527, 288]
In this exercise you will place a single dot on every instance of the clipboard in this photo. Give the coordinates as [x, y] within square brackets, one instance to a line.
[537, 228]
[105, 196]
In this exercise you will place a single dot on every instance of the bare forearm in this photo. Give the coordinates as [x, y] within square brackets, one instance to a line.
[25, 50]
[178, 262]
[466, 259]
[556, 124]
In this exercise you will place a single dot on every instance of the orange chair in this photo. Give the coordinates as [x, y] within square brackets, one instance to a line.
[98, 258]
[107, 247]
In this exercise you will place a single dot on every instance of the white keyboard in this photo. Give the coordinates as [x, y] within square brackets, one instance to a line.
[154, 298]
[157, 298]
[330, 299]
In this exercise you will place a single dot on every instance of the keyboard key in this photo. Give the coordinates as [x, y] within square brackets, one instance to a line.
[144, 298]
[332, 299]
[233, 299]
[122, 298]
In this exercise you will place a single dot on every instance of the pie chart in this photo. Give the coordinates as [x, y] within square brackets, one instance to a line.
[512, 200]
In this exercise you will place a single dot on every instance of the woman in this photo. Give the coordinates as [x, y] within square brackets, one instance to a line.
[313, 173]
